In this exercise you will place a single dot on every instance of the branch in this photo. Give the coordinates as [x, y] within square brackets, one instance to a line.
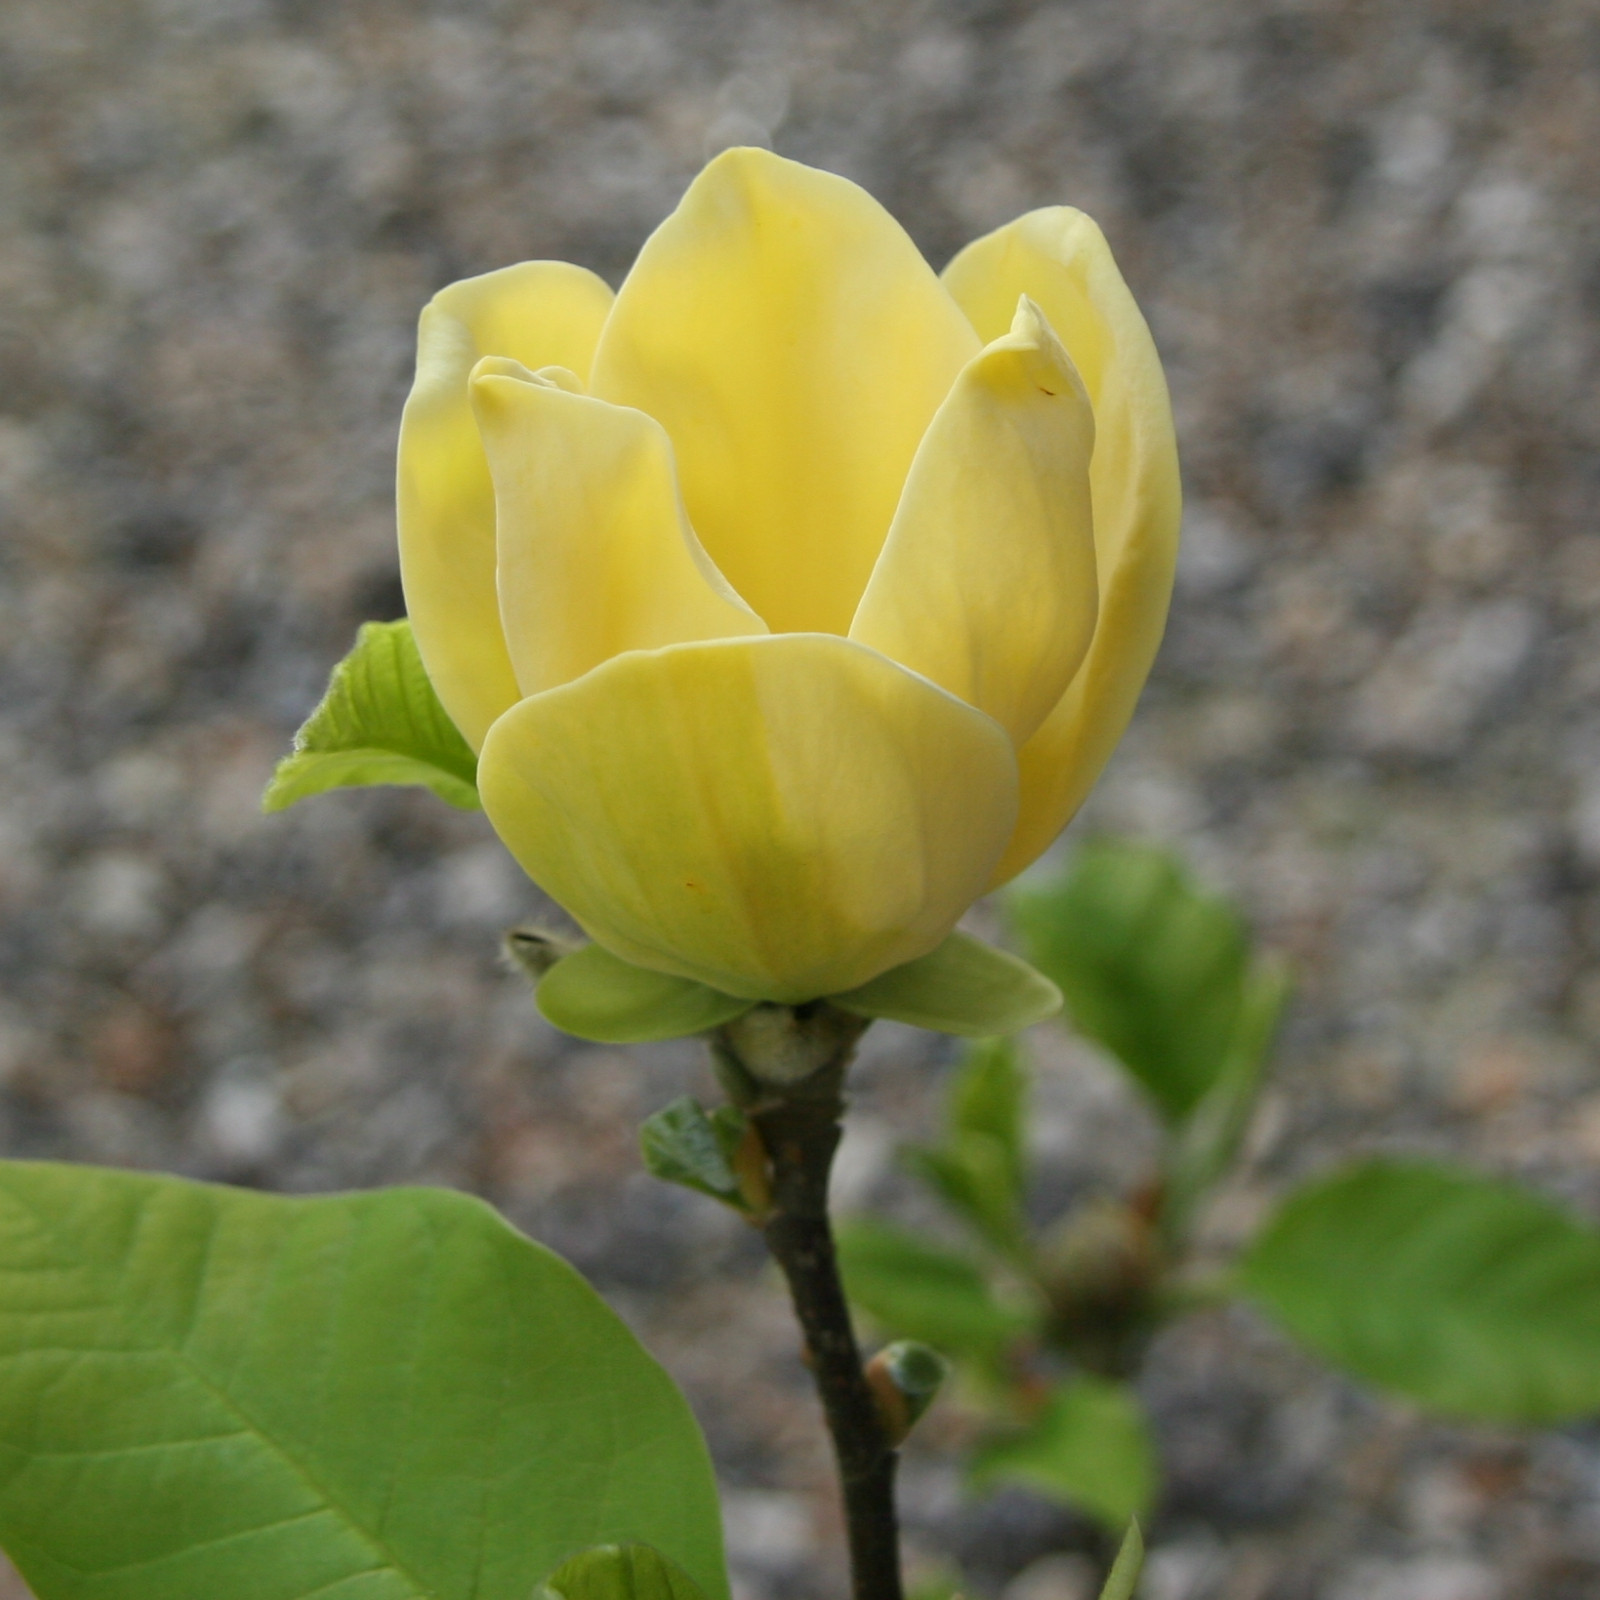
[786, 1067]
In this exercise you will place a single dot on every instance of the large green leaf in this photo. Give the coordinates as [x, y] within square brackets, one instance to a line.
[379, 722]
[621, 1572]
[1090, 1447]
[923, 1291]
[1152, 968]
[965, 987]
[212, 1393]
[593, 994]
[1471, 1296]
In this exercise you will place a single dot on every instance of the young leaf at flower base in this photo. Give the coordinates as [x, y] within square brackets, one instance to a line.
[1473, 1297]
[964, 987]
[214, 1393]
[620, 1572]
[595, 995]
[1090, 1448]
[1124, 1576]
[379, 722]
[1152, 968]
[682, 1145]
[919, 1290]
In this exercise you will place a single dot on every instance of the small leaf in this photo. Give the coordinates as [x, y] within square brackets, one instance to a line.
[964, 987]
[1475, 1298]
[1210, 1139]
[379, 722]
[1152, 968]
[682, 1145]
[622, 1572]
[975, 1176]
[988, 1098]
[1090, 1448]
[214, 1393]
[1124, 1575]
[596, 995]
[923, 1291]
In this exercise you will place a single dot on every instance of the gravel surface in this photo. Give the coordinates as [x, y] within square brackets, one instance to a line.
[1368, 240]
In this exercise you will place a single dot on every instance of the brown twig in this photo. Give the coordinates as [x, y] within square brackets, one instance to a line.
[786, 1067]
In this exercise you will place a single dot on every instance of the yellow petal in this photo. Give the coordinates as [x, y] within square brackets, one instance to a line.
[595, 554]
[1060, 259]
[987, 581]
[794, 344]
[779, 817]
[539, 313]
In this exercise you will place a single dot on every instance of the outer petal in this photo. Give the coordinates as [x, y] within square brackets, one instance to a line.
[793, 342]
[595, 554]
[1060, 259]
[780, 818]
[987, 581]
[540, 313]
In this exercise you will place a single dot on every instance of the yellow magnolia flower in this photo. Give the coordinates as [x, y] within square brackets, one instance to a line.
[793, 595]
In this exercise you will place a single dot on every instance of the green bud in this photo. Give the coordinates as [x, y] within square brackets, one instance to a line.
[533, 950]
[905, 1377]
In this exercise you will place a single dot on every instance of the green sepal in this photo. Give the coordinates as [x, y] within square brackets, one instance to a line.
[965, 987]
[1124, 1575]
[1090, 1447]
[921, 1290]
[681, 1144]
[216, 1394]
[598, 996]
[1475, 1298]
[620, 1572]
[379, 722]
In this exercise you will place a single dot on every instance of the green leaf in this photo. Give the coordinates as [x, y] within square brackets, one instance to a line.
[1124, 1575]
[1152, 968]
[964, 987]
[621, 1572]
[682, 1145]
[1090, 1448]
[392, 1396]
[918, 1290]
[379, 722]
[1473, 1297]
[596, 995]
[1210, 1139]
[975, 1176]
[987, 1098]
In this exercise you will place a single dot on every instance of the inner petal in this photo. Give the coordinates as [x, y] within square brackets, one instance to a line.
[595, 557]
[788, 335]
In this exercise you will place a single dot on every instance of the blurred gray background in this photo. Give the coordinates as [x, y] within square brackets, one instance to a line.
[1367, 238]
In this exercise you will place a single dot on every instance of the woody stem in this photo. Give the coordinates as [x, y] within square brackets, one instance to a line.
[798, 1119]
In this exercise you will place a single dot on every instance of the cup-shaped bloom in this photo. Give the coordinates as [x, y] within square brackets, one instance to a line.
[794, 595]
